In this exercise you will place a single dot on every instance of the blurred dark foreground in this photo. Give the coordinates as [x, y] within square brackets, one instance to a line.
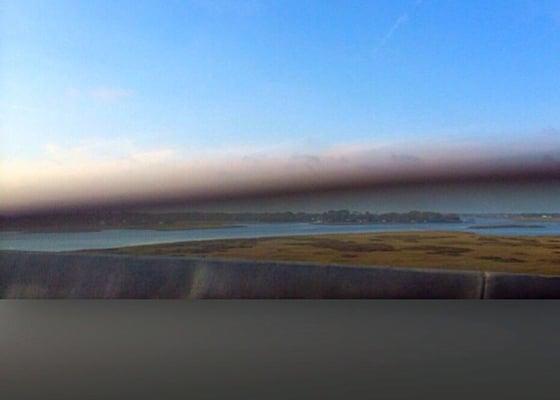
[279, 350]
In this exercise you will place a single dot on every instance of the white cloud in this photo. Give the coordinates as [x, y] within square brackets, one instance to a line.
[109, 93]
[100, 93]
[72, 92]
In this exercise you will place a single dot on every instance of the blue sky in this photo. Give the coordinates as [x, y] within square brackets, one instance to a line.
[112, 79]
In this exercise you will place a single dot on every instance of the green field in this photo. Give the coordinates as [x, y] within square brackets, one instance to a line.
[447, 250]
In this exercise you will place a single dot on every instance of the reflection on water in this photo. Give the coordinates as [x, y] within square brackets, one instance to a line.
[127, 237]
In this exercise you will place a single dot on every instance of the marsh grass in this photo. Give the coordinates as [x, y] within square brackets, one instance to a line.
[447, 250]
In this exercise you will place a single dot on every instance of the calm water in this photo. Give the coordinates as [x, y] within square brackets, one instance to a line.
[127, 237]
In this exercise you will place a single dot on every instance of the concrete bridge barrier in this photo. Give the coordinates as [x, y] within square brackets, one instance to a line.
[520, 286]
[71, 275]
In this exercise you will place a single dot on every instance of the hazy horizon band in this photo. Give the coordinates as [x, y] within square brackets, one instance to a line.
[169, 185]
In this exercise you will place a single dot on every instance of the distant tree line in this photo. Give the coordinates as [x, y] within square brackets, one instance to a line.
[328, 217]
[339, 217]
[123, 219]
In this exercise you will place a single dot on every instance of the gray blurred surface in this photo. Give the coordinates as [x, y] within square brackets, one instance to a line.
[58, 275]
[279, 350]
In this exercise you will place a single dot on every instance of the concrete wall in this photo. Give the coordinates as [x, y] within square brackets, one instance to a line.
[59, 275]
[518, 286]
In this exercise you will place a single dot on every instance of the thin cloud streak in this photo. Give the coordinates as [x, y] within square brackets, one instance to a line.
[109, 93]
[399, 22]
[106, 94]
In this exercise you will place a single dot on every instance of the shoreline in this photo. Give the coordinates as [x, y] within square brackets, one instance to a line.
[506, 226]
